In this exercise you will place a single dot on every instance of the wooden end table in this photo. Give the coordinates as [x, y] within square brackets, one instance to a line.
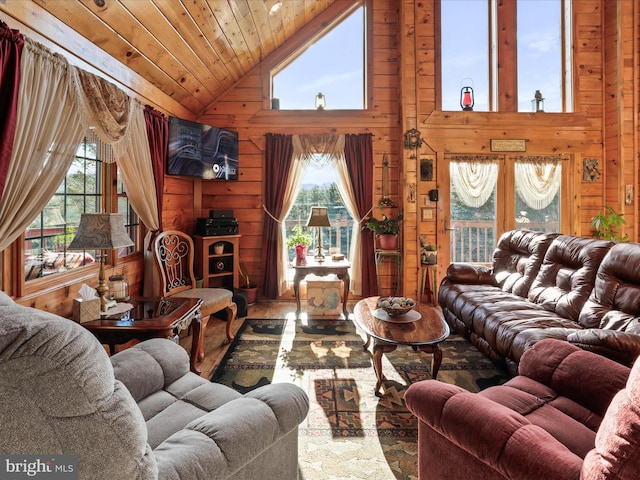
[152, 318]
[423, 334]
[341, 269]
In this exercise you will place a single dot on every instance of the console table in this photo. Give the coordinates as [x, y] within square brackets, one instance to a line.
[341, 269]
[152, 318]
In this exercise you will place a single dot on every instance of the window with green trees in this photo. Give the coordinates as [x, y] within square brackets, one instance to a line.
[82, 190]
[319, 189]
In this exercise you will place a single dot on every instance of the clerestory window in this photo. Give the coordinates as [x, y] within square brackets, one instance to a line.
[326, 73]
[515, 55]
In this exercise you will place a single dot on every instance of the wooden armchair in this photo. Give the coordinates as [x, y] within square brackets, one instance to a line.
[173, 252]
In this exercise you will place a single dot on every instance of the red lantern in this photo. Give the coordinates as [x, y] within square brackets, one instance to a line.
[466, 98]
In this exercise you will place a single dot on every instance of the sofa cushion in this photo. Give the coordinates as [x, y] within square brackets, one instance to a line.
[614, 303]
[567, 274]
[517, 259]
[557, 415]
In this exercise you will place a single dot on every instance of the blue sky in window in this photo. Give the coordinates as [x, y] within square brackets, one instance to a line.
[465, 52]
[539, 53]
[332, 65]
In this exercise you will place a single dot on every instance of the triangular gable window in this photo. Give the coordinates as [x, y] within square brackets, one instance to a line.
[331, 66]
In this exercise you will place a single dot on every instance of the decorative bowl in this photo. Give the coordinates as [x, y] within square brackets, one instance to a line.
[396, 306]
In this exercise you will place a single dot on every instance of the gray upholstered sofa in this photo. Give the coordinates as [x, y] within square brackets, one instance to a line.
[140, 414]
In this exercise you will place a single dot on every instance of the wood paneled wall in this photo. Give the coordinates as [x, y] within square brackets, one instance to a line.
[620, 115]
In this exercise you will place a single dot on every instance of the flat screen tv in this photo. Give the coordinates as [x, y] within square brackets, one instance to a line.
[203, 151]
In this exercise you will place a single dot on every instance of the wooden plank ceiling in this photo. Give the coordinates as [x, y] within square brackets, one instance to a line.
[192, 50]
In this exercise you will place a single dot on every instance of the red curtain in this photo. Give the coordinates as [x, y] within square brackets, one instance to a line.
[358, 153]
[158, 134]
[11, 44]
[278, 158]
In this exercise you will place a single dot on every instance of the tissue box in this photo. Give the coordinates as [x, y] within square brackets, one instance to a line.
[86, 310]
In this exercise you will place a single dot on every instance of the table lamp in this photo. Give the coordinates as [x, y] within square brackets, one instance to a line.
[319, 217]
[101, 231]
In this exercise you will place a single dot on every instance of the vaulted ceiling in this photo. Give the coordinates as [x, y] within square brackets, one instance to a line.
[192, 50]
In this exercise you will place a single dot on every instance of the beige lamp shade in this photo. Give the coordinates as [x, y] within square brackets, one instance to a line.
[319, 217]
[99, 231]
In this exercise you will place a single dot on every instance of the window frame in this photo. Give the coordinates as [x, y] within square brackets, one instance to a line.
[14, 255]
[317, 28]
[502, 45]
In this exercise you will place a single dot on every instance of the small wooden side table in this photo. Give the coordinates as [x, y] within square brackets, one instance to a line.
[152, 318]
[428, 285]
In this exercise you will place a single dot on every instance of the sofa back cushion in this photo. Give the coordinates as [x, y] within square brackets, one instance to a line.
[517, 259]
[614, 303]
[617, 449]
[567, 274]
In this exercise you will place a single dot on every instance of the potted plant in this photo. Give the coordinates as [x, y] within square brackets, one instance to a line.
[301, 241]
[218, 248]
[386, 230]
[249, 289]
[606, 224]
[428, 252]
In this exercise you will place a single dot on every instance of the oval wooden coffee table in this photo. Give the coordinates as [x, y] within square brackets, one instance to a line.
[423, 329]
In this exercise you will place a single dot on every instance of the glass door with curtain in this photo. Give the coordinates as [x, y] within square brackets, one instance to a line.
[491, 194]
[475, 210]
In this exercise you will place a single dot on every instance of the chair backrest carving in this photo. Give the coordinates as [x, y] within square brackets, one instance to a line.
[173, 252]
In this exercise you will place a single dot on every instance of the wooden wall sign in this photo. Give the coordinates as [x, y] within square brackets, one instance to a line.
[503, 145]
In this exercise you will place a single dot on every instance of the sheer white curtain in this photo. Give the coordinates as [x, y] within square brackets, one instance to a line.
[474, 181]
[47, 137]
[298, 166]
[328, 150]
[349, 198]
[538, 182]
[137, 171]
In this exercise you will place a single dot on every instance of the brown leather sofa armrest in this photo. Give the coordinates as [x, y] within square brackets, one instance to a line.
[473, 274]
[622, 347]
[496, 435]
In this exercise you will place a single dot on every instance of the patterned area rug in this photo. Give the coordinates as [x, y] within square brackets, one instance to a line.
[349, 432]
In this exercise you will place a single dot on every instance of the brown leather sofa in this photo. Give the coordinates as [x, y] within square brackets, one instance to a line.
[541, 285]
[567, 415]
